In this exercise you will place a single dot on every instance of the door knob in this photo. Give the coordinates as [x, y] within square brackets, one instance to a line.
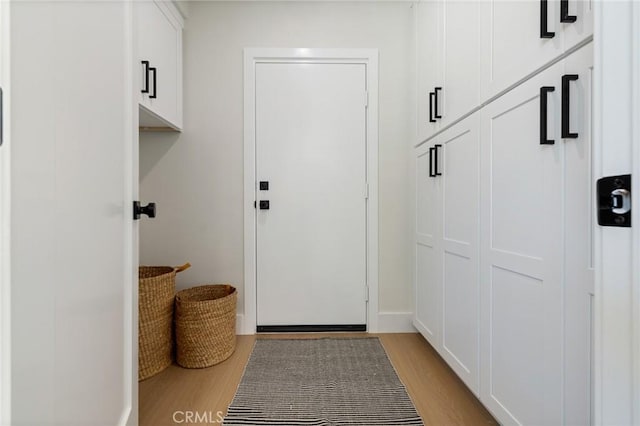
[138, 210]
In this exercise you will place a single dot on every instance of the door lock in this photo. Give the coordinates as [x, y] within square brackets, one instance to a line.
[614, 201]
[139, 210]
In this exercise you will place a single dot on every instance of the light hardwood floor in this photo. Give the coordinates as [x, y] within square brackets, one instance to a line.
[439, 396]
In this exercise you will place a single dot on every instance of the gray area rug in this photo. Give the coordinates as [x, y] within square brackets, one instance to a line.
[321, 382]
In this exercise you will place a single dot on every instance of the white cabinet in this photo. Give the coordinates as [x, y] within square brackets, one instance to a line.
[159, 30]
[520, 38]
[536, 244]
[522, 256]
[448, 63]
[504, 247]
[447, 246]
[429, 68]
[428, 287]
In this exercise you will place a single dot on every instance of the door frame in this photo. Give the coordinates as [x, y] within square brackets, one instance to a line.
[252, 57]
[5, 222]
[617, 151]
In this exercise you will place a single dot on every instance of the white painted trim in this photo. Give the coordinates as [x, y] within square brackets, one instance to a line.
[635, 284]
[130, 96]
[240, 328]
[396, 322]
[252, 56]
[5, 222]
[616, 151]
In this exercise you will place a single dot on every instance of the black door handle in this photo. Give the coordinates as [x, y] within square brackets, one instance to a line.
[432, 96]
[431, 172]
[155, 80]
[138, 210]
[145, 88]
[264, 204]
[544, 31]
[436, 115]
[543, 115]
[564, 12]
[566, 98]
[435, 159]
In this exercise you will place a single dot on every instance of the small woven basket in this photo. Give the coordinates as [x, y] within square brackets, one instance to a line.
[205, 319]
[156, 292]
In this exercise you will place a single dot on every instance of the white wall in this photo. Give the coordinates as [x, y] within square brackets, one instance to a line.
[197, 177]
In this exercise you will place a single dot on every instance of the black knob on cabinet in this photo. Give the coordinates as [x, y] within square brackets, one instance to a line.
[264, 204]
[138, 210]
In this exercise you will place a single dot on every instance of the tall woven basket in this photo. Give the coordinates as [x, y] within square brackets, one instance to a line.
[205, 319]
[156, 293]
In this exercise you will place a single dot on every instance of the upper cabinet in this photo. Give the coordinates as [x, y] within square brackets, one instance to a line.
[520, 38]
[429, 69]
[470, 51]
[159, 30]
[448, 56]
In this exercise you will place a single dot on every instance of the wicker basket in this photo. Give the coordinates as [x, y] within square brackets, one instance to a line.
[205, 325]
[156, 292]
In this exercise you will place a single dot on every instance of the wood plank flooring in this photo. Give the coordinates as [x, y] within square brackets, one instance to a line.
[439, 396]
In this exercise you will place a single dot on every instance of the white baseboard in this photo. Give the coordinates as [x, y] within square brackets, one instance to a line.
[395, 322]
[240, 326]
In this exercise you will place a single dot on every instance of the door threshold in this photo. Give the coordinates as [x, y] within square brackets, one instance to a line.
[311, 328]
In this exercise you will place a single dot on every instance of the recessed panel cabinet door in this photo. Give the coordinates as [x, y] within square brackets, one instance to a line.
[579, 222]
[460, 180]
[461, 59]
[522, 255]
[512, 47]
[160, 43]
[428, 280]
[429, 53]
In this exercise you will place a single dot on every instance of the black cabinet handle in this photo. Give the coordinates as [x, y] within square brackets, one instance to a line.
[155, 80]
[435, 159]
[436, 115]
[432, 96]
[543, 115]
[566, 98]
[544, 32]
[431, 172]
[564, 12]
[145, 88]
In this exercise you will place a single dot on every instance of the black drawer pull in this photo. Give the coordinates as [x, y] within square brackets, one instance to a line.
[544, 90]
[145, 88]
[544, 31]
[564, 12]
[566, 99]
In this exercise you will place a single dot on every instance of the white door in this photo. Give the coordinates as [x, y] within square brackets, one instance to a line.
[513, 47]
[579, 224]
[460, 59]
[428, 279]
[311, 149]
[460, 207]
[71, 225]
[522, 256]
[429, 51]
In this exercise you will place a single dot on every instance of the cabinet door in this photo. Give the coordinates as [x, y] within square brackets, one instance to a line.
[522, 256]
[427, 275]
[461, 59]
[460, 184]
[511, 44]
[160, 43]
[429, 65]
[579, 222]
[582, 28]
